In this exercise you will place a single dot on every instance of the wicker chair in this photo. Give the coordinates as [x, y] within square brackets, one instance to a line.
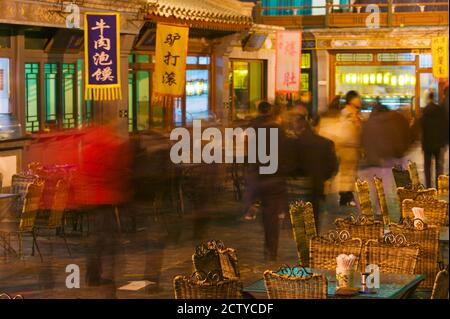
[381, 196]
[27, 218]
[19, 184]
[365, 203]
[393, 254]
[443, 185]
[199, 287]
[440, 287]
[401, 177]
[283, 286]
[404, 193]
[56, 215]
[435, 211]
[324, 250]
[427, 237]
[214, 257]
[303, 228]
[363, 228]
[413, 174]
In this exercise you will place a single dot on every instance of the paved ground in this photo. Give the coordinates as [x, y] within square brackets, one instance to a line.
[153, 252]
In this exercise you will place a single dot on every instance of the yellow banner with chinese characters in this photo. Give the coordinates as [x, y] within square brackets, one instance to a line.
[170, 66]
[439, 49]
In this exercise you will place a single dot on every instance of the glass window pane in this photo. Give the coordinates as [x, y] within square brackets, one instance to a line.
[4, 85]
[130, 101]
[80, 91]
[197, 92]
[143, 58]
[143, 99]
[256, 76]
[203, 60]
[68, 94]
[306, 61]
[240, 85]
[31, 96]
[304, 82]
[396, 57]
[425, 60]
[191, 60]
[50, 82]
[427, 84]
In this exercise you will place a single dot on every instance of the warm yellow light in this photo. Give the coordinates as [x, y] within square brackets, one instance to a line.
[386, 78]
[348, 78]
[372, 78]
[413, 80]
[366, 79]
[379, 78]
[401, 80]
[394, 80]
[354, 78]
[407, 79]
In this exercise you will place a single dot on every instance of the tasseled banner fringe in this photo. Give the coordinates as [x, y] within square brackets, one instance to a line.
[103, 94]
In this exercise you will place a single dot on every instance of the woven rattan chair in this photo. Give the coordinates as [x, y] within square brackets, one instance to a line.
[365, 203]
[363, 228]
[283, 286]
[324, 250]
[27, 218]
[413, 174]
[435, 211]
[421, 193]
[443, 185]
[392, 254]
[427, 237]
[214, 257]
[440, 287]
[19, 184]
[401, 177]
[303, 228]
[56, 214]
[199, 287]
[381, 196]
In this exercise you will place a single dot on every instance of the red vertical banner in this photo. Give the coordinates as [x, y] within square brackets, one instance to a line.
[288, 55]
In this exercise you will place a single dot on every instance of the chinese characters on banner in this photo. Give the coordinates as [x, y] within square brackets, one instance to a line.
[170, 66]
[102, 56]
[289, 45]
[439, 48]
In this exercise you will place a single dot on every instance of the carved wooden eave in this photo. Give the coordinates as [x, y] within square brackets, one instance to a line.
[380, 38]
[50, 13]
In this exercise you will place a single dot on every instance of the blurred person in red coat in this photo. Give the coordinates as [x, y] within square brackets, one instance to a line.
[101, 185]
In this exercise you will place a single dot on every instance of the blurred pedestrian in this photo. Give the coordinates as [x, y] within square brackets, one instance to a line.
[348, 143]
[434, 124]
[269, 189]
[316, 161]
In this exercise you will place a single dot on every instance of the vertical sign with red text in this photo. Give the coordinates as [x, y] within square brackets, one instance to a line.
[289, 44]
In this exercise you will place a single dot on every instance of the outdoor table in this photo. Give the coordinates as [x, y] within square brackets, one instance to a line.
[392, 286]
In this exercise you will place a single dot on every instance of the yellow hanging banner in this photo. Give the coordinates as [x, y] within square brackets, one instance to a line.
[170, 66]
[439, 50]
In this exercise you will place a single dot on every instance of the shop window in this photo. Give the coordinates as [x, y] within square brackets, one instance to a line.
[427, 84]
[50, 91]
[130, 102]
[68, 95]
[201, 60]
[4, 85]
[197, 94]
[396, 57]
[142, 58]
[306, 61]
[354, 57]
[395, 85]
[143, 99]
[425, 60]
[31, 97]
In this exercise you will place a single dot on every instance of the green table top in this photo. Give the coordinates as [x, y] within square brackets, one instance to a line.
[392, 286]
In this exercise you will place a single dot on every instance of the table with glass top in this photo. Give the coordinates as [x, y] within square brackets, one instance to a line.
[392, 286]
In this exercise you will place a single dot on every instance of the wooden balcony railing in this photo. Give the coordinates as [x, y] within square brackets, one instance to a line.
[391, 14]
